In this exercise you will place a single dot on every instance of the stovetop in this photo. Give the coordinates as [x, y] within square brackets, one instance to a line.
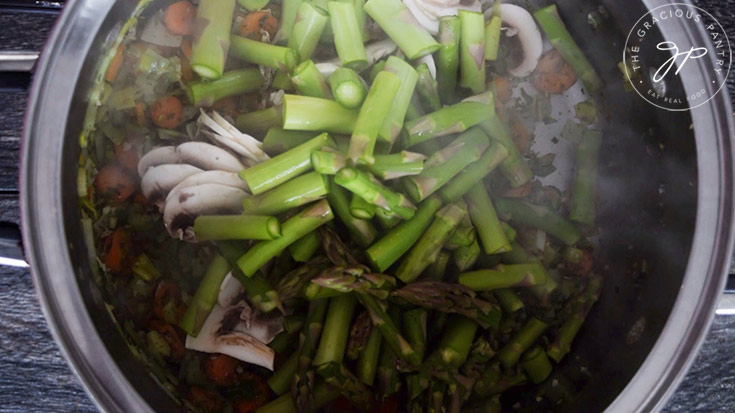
[34, 375]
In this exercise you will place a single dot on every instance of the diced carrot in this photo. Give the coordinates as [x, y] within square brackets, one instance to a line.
[114, 183]
[127, 158]
[168, 294]
[553, 74]
[140, 117]
[501, 88]
[116, 251]
[166, 112]
[179, 18]
[115, 64]
[221, 369]
[520, 135]
[173, 338]
[186, 46]
[257, 22]
[187, 74]
[227, 106]
[206, 400]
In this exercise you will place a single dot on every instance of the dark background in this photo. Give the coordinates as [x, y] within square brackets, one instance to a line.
[35, 377]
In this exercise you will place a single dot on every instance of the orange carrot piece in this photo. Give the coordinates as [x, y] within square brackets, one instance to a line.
[257, 22]
[127, 158]
[206, 400]
[186, 46]
[167, 292]
[114, 184]
[179, 18]
[118, 244]
[221, 369]
[115, 64]
[501, 88]
[171, 336]
[166, 112]
[553, 74]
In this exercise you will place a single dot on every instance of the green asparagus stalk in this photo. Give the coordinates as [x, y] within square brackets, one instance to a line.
[537, 217]
[362, 231]
[509, 231]
[310, 114]
[447, 62]
[480, 353]
[427, 88]
[442, 166]
[569, 329]
[456, 341]
[278, 141]
[397, 22]
[304, 248]
[282, 80]
[280, 380]
[505, 276]
[259, 122]
[414, 326]
[389, 381]
[289, 9]
[492, 38]
[483, 215]
[328, 162]
[316, 292]
[414, 110]
[518, 255]
[261, 294]
[398, 241]
[308, 26]
[372, 115]
[391, 334]
[450, 298]
[308, 81]
[393, 123]
[337, 375]
[463, 236]
[465, 257]
[356, 279]
[472, 50]
[367, 362]
[368, 188]
[294, 228]
[509, 300]
[452, 119]
[232, 83]
[474, 173]
[264, 54]
[276, 171]
[290, 285]
[347, 35]
[291, 325]
[212, 40]
[294, 193]
[359, 333]
[206, 296]
[323, 394]
[303, 391]
[585, 181]
[559, 37]
[521, 341]
[437, 269]
[377, 68]
[514, 167]
[336, 330]
[251, 5]
[387, 219]
[220, 227]
[397, 165]
[425, 250]
[359, 208]
[536, 364]
[347, 87]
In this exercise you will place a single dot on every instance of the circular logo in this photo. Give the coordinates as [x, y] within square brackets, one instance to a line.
[656, 66]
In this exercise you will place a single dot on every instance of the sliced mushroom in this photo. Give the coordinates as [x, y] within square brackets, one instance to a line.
[229, 290]
[188, 203]
[429, 60]
[226, 134]
[519, 22]
[208, 157]
[427, 12]
[157, 156]
[210, 177]
[159, 180]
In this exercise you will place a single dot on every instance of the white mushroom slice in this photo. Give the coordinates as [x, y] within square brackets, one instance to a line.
[519, 22]
[182, 208]
[429, 60]
[237, 344]
[211, 177]
[159, 180]
[229, 290]
[327, 68]
[225, 133]
[427, 12]
[208, 157]
[157, 156]
[241, 317]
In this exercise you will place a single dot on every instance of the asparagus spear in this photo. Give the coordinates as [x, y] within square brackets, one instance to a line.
[536, 364]
[456, 341]
[276, 171]
[251, 5]
[550, 21]
[289, 9]
[463, 236]
[483, 215]
[450, 298]
[480, 353]
[360, 208]
[393, 245]
[294, 193]
[323, 394]
[437, 269]
[442, 166]
[371, 117]
[362, 231]
[220, 227]
[347, 87]
[337, 375]
[387, 219]
[206, 296]
[393, 17]
[336, 330]
[388, 328]
[232, 83]
[474, 173]
[414, 110]
[472, 50]
[427, 88]
[521, 341]
[492, 38]
[389, 381]
[414, 326]
[264, 54]
[359, 333]
[280, 380]
[291, 284]
[450, 119]
[291, 325]
[447, 62]
[260, 122]
[509, 300]
[282, 80]
[367, 362]
[514, 167]
[356, 279]
[537, 217]
[308, 81]
[347, 35]
[393, 123]
[585, 181]
[294, 228]
[465, 257]
[308, 113]
[302, 384]
[397, 165]
[568, 330]
[505, 276]
[304, 248]
[308, 26]
[212, 40]
[327, 162]
[278, 141]
[259, 291]
[368, 188]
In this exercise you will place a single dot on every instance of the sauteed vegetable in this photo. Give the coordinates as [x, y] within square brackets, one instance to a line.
[314, 205]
